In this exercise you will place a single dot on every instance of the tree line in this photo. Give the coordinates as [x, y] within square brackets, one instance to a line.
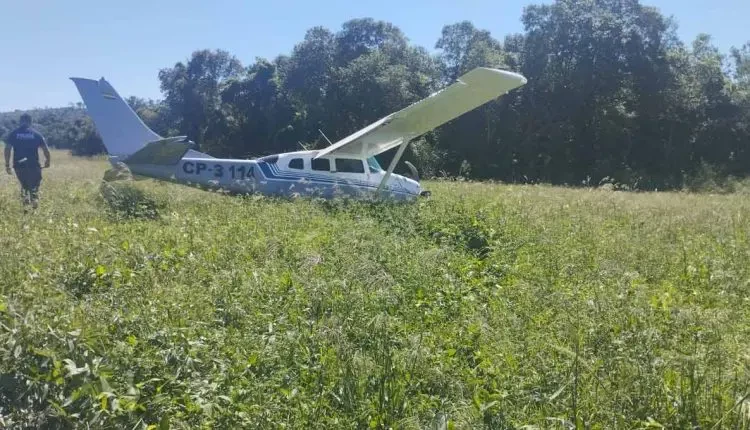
[63, 128]
[612, 95]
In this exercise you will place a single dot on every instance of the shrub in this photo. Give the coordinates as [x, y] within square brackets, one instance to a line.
[126, 201]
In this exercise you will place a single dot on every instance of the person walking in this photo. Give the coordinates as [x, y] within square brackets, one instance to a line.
[24, 143]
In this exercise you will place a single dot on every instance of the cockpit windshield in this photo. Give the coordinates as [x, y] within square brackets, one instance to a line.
[374, 166]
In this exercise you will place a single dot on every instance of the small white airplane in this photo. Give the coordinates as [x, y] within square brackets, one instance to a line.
[346, 168]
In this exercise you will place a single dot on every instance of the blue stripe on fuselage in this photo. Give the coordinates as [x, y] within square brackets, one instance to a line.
[273, 172]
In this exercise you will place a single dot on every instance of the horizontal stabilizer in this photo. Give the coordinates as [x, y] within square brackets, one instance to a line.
[167, 151]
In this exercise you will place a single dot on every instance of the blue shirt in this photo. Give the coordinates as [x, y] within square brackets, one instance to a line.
[25, 142]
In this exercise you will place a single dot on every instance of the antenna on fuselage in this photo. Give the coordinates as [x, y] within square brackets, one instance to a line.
[325, 137]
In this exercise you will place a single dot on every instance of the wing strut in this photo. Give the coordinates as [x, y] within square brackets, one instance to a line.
[397, 157]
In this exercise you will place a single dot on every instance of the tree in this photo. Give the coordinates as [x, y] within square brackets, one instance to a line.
[154, 115]
[85, 141]
[341, 82]
[588, 64]
[377, 73]
[464, 47]
[471, 140]
[362, 36]
[306, 76]
[256, 115]
[192, 90]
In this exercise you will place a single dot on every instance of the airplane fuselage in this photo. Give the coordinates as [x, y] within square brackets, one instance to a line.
[287, 174]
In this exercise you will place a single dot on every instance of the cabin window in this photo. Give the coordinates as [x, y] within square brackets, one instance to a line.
[349, 165]
[320, 164]
[296, 163]
[374, 166]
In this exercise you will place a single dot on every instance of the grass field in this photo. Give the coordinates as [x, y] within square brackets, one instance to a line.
[486, 306]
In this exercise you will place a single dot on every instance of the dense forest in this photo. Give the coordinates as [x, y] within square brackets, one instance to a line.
[613, 95]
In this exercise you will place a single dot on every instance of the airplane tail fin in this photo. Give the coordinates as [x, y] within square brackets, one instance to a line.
[122, 131]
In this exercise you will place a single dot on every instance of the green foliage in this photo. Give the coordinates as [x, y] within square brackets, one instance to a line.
[429, 159]
[85, 140]
[60, 126]
[124, 200]
[485, 306]
[612, 94]
[192, 90]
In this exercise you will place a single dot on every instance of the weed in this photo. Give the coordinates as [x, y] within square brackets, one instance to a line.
[486, 306]
[127, 201]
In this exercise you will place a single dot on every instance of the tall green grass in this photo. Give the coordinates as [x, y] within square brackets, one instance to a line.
[486, 306]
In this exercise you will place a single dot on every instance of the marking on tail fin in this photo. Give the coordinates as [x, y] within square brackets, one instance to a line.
[122, 131]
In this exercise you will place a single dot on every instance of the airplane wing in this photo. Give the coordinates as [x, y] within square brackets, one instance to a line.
[470, 91]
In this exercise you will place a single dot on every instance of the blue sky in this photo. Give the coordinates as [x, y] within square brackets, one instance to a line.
[47, 41]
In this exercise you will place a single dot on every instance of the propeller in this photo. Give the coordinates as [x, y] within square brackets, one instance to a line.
[414, 173]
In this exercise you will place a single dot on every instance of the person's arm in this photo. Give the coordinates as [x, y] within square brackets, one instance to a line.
[7, 157]
[45, 149]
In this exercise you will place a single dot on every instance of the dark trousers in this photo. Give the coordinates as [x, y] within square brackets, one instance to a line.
[30, 178]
